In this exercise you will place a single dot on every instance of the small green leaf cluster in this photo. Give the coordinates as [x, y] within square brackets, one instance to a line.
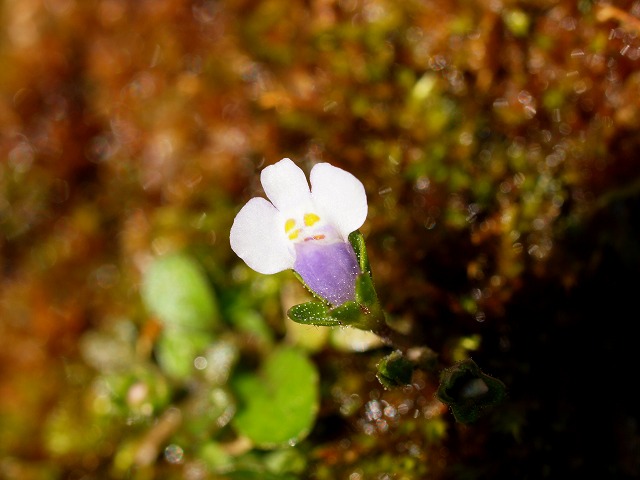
[230, 408]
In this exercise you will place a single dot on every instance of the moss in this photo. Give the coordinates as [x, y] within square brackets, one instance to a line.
[498, 150]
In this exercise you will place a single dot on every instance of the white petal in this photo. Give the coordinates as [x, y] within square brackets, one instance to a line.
[286, 185]
[340, 196]
[256, 237]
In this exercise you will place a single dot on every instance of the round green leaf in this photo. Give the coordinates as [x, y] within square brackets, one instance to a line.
[207, 411]
[175, 289]
[278, 406]
[176, 351]
[215, 457]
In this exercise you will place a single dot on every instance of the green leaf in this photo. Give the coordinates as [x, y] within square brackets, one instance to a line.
[312, 313]
[285, 461]
[258, 474]
[206, 411]
[356, 239]
[176, 350]
[278, 406]
[175, 289]
[215, 457]
[251, 322]
[150, 385]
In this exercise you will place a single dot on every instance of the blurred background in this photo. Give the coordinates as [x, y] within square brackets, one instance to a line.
[498, 144]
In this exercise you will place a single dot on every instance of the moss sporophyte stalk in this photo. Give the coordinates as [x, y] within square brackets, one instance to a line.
[313, 230]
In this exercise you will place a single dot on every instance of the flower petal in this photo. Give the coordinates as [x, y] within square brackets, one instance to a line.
[256, 237]
[286, 185]
[341, 197]
[329, 270]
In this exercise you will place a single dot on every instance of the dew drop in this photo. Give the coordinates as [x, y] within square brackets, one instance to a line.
[500, 103]
[524, 97]
[174, 454]
[530, 111]
[330, 105]
[422, 184]
[200, 363]
[429, 223]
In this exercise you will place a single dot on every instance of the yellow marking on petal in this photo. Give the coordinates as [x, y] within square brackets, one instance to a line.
[293, 235]
[289, 224]
[310, 219]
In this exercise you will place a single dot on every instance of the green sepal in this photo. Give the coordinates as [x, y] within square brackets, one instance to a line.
[354, 314]
[349, 313]
[312, 313]
[356, 239]
[365, 291]
[395, 370]
[468, 391]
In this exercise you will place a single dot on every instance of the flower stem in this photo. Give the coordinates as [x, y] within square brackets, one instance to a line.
[393, 338]
[377, 323]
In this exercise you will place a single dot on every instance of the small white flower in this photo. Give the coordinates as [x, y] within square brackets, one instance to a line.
[304, 229]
